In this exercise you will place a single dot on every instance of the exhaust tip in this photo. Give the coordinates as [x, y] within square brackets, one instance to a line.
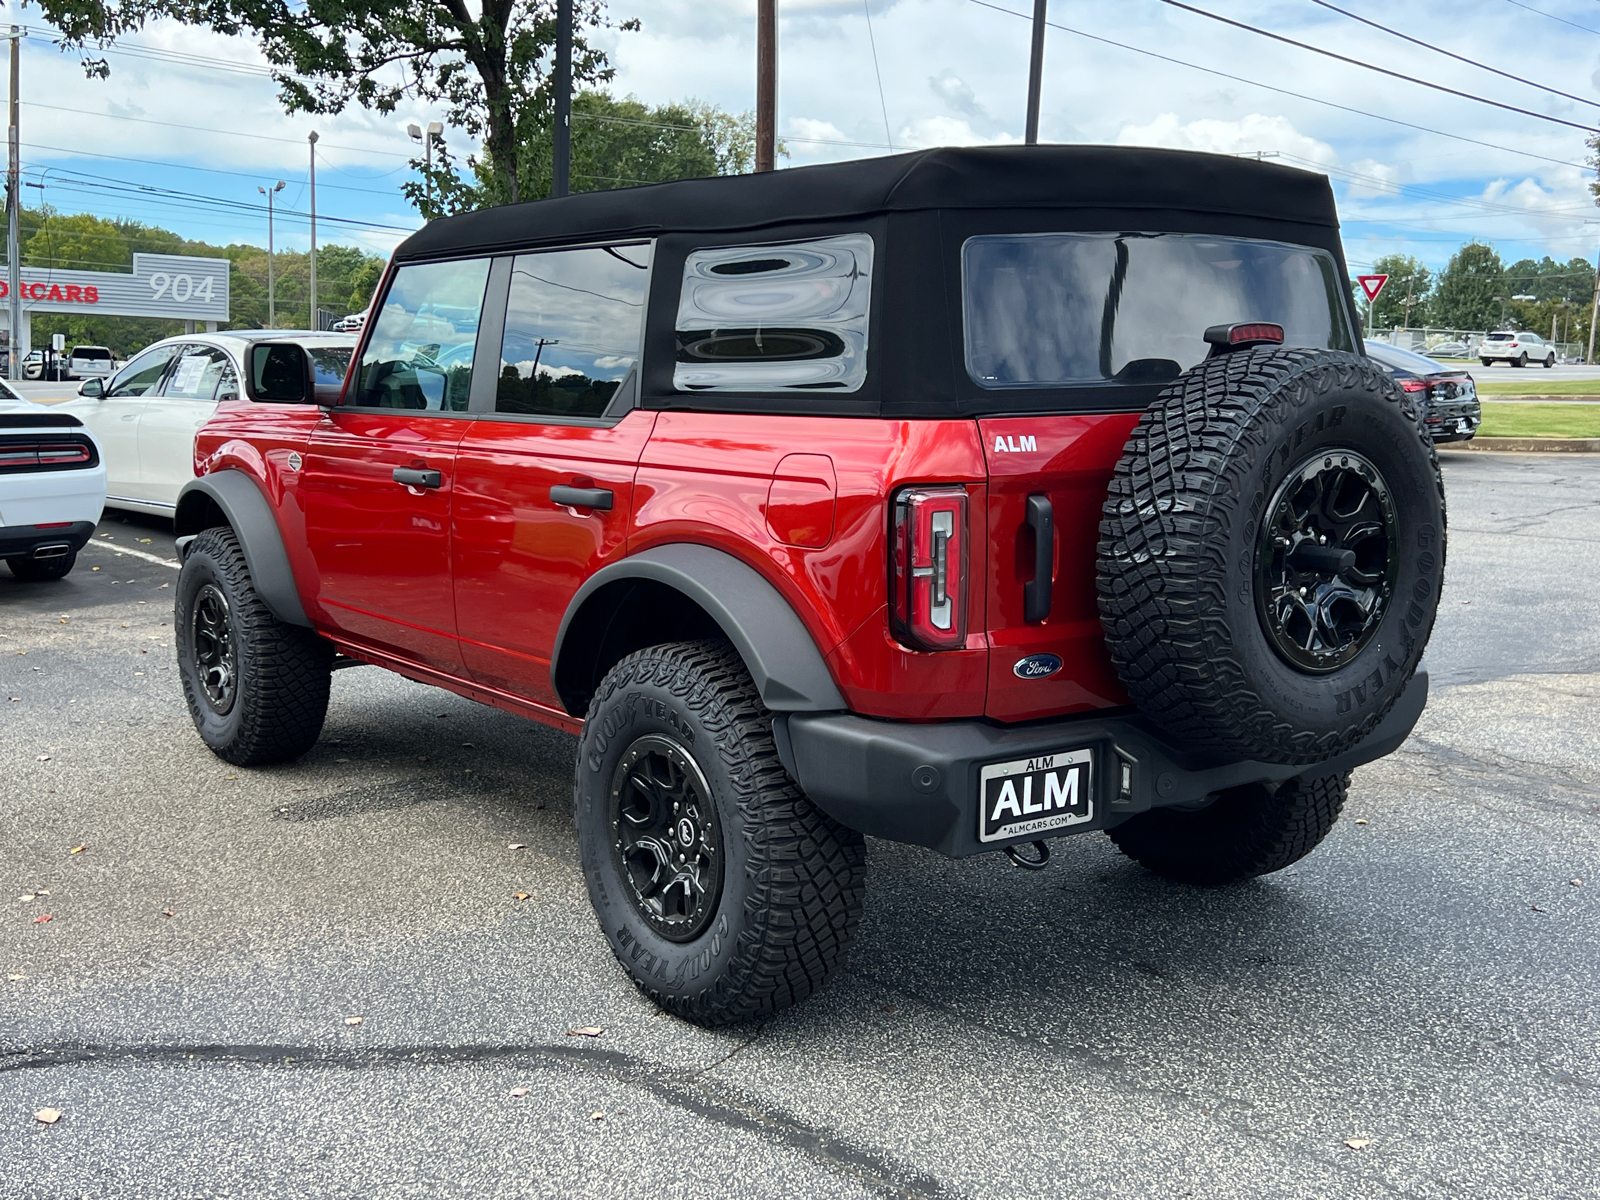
[59, 550]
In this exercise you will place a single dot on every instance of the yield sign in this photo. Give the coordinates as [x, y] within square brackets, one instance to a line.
[1372, 285]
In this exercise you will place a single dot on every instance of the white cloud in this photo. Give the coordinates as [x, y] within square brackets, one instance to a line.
[1252, 134]
[947, 131]
[1373, 178]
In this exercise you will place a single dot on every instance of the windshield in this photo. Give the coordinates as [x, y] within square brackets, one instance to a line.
[1072, 309]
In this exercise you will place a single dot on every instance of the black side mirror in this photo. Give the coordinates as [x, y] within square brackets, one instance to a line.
[95, 389]
[280, 373]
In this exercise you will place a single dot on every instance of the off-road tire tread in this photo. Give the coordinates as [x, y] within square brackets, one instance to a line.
[1253, 832]
[807, 872]
[1161, 564]
[287, 701]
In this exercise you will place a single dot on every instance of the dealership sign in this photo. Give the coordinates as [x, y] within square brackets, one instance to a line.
[161, 285]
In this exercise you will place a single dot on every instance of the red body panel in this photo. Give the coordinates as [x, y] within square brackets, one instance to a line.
[1070, 460]
[519, 559]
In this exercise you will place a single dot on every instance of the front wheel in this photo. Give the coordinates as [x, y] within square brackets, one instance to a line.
[38, 570]
[1242, 832]
[257, 688]
[725, 894]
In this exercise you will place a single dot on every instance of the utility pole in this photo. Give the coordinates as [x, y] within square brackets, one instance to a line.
[1035, 72]
[313, 322]
[272, 306]
[1411, 281]
[561, 168]
[13, 215]
[766, 84]
[1595, 314]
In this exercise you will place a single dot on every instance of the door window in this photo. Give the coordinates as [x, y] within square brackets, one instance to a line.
[776, 318]
[420, 355]
[228, 383]
[194, 376]
[143, 373]
[574, 327]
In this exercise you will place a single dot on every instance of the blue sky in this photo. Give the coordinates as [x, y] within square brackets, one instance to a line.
[194, 113]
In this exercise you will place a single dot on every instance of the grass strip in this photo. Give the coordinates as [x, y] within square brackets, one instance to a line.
[1535, 383]
[1541, 420]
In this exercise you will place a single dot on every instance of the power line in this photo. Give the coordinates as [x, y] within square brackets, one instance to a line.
[1406, 37]
[260, 137]
[1366, 66]
[1552, 16]
[1178, 62]
[153, 162]
[866, 7]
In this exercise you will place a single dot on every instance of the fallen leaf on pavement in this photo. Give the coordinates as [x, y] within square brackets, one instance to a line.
[1358, 1143]
[16, 978]
[519, 1092]
[515, 846]
[42, 918]
[352, 1020]
[144, 541]
[44, 758]
[77, 850]
[519, 895]
[16, 699]
[1535, 908]
[597, 1116]
[1361, 820]
[28, 897]
[167, 912]
[48, 1116]
[586, 1031]
[1575, 882]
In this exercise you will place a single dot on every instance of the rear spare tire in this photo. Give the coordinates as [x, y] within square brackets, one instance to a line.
[1272, 552]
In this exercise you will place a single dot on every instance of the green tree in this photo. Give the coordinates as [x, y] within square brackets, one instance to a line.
[1465, 297]
[490, 69]
[1404, 299]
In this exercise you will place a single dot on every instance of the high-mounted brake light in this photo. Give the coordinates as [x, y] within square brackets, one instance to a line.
[1243, 334]
[928, 568]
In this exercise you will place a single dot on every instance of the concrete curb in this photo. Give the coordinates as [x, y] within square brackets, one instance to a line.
[1529, 445]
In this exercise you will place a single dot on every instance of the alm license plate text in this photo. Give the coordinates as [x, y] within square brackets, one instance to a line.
[1030, 796]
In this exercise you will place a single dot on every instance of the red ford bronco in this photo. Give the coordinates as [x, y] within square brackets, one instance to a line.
[965, 498]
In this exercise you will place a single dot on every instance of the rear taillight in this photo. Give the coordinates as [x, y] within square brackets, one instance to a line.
[928, 568]
[1413, 385]
[45, 454]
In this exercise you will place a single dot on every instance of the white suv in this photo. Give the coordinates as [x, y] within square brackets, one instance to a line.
[1518, 349]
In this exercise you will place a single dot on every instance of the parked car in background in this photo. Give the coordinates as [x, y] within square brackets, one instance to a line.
[52, 487]
[1518, 349]
[90, 362]
[1449, 350]
[350, 324]
[146, 415]
[1450, 405]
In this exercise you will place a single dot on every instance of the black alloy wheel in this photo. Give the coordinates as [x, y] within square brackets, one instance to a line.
[1326, 560]
[1522, 359]
[666, 845]
[215, 652]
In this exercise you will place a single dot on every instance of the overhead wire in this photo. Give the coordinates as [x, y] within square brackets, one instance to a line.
[1367, 66]
[1552, 16]
[866, 7]
[1426, 45]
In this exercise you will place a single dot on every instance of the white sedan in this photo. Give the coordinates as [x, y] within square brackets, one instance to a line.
[147, 414]
[52, 487]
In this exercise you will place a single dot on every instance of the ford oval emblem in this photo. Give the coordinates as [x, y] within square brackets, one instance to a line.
[1037, 666]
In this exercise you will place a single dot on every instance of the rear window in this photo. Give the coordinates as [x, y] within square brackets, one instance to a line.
[1500, 337]
[1084, 309]
[98, 353]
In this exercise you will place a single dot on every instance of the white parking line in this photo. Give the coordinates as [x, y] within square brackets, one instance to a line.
[135, 553]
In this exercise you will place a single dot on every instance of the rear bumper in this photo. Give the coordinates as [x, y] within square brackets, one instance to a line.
[20, 541]
[919, 783]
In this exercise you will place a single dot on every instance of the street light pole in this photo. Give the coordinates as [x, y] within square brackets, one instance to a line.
[272, 306]
[435, 128]
[314, 324]
[1035, 73]
[13, 214]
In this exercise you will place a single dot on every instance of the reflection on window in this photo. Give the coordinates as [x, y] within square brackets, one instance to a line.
[420, 355]
[1061, 309]
[329, 363]
[143, 373]
[574, 325]
[776, 318]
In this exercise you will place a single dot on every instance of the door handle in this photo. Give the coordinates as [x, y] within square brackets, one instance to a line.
[415, 477]
[577, 497]
[1036, 592]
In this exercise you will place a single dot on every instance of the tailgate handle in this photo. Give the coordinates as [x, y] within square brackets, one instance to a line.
[1036, 592]
[577, 497]
[414, 477]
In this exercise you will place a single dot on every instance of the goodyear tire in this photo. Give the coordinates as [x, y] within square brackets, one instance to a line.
[725, 894]
[1271, 554]
[257, 688]
[1241, 833]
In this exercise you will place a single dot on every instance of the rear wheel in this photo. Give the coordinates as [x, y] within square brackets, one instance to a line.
[1549, 361]
[1486, 361]
[1237, 834]
[1522, 360]
[724, 892]
[257, 688]
[37, 570]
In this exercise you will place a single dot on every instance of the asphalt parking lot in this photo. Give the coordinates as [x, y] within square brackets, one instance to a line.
[1410, 1012]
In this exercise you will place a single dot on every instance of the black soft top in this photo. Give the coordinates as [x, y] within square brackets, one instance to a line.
[1131, 179]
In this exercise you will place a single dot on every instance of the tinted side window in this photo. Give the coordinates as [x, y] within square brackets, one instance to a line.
[775, 318]
[143, 373]
[420, 355]
[574, 326]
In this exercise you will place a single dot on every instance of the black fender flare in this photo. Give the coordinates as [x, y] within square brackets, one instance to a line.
[776, 647]
[249, 514]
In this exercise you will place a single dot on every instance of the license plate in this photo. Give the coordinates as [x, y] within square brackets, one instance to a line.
[1030, 796]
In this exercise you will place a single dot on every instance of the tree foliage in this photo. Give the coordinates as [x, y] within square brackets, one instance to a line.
[1465, 298]
[1404, 299]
